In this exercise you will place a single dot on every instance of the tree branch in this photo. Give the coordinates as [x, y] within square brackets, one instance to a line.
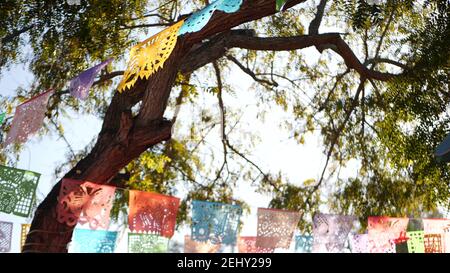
[218, 46]
[249, 72]
[14, 34]
[315, 23]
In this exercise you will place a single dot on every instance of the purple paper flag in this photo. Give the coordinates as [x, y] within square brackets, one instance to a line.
[80, 85]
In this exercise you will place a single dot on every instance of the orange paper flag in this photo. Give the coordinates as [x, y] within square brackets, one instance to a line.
[153, 212]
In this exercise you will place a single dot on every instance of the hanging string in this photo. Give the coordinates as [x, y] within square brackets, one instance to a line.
[48, 232]
[37, 244]
[29, 157]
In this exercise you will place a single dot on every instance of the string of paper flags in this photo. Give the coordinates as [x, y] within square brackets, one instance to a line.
[152, 216]
[152, 220]
[145, 59]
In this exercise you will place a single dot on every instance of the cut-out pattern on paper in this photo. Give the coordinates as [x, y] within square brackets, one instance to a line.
[93, 241]
[147, 243]
[247, 244]
[276, 227]
[17, 190]
[25, 229]
[416, 241]
[216, 222]
[304, 243]
[199, 19]
[439, 226]
[331, 232]
[383, 231]
[191, 246]
[359, 243]
[149, 56]
[152, 212]
[28, 118]
[80, 85]
[85, 202]
[433, 243]
[6, 229]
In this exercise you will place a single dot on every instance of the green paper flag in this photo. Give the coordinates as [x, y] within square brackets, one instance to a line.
[280, 4]
[415, 241]
[2, 117]
[147, 243]
[17, 190]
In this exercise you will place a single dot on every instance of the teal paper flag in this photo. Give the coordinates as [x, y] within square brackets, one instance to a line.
[199, 19]
[2, 117]
[93, 241]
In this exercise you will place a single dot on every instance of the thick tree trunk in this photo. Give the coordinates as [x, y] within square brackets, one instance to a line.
[124, 137]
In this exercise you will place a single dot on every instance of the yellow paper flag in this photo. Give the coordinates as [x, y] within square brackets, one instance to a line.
[149, 56]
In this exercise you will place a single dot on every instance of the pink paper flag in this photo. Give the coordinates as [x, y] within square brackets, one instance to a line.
[248, 245]
[28, 118]
[384, 232]
[331, 232]
[359, 242]
[85, 202]
[191, 246]
[80, 85]
[276, 227]
[437, 235]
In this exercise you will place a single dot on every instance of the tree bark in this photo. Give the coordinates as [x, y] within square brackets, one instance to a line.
[124, 137]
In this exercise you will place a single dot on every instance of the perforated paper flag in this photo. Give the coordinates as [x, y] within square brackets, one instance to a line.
[276, 227]
[416, 241]
[93, 241]
[383, 231]
[80, 85]
[6, 229]
[25, 229]
[359, 243]
[147, 243]
[247, 244]
[438, 231]
[149, 56]
[199, 19]
[28, 118]
[433, 243]
[152, 212]
[17, 190]
[303, 243]
[191, 246]
[216, 222]
[85, 202]
[331, 232]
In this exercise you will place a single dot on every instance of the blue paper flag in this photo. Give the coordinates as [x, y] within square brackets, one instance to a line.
[216, 222]
[93, 241]
[303, 243]
[199, 19]
[230, 6]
